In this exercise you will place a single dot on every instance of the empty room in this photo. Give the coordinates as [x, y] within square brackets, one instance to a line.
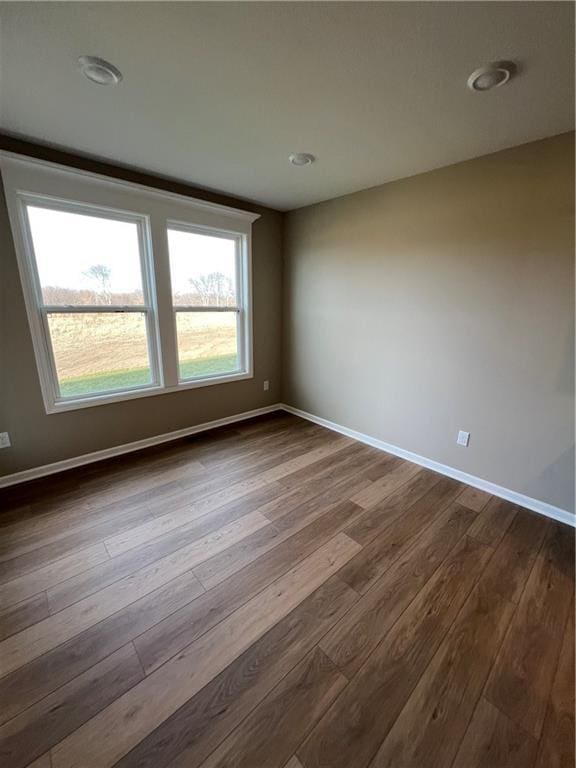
[287, 466]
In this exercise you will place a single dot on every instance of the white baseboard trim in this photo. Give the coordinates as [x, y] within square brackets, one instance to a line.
[535, 505]
[562, 515]
[137, 445]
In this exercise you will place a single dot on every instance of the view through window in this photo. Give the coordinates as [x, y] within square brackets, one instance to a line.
[93, 301]
[205, 288]
[128, 300]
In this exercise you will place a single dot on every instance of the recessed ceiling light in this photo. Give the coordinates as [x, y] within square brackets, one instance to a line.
[301, 158]
[99, 71]
[491, 76]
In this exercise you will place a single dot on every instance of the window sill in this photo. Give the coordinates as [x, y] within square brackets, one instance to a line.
[76, 404]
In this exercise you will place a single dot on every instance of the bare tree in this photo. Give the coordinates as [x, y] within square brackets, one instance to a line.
[101, 275]
[214, 289]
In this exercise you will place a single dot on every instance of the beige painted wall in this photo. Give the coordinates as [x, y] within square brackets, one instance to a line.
[443, 302]
[41, 439]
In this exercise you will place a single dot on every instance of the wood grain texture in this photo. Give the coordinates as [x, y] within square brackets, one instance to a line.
[178, 630]
[378, 553]
[70, 542]
[322, 474]
[318, 485]
[271, 594]
[87, 524]
[382, 488]
[42, 762]
[288, 712]
[190, 735]
[37, 729]
[473, 498]
[25, 614]
[30, 683]
[518, 549]
[354, 637]
[494, 740]
[557, 746]
[46, 577]
[42, 637]
[433, 722]
[392, 669]
[384, 513]
[119, 727]
[223, 565]
[134, 559]
[494, 521]
[209, 501]
[522, 677]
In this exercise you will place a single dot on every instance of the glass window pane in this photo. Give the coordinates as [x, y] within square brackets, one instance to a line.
[100, 352]
[86, 259]
[207, 343]
[202, 269]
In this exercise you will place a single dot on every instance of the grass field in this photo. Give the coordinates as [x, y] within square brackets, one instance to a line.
[138, 377]
[103, 352]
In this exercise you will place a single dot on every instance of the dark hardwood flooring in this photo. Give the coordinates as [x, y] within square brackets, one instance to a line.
[274, 595]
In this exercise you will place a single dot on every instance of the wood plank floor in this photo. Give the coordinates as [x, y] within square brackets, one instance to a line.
[274, 595]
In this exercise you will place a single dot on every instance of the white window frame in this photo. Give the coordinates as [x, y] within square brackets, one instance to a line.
[242, 294]
[42, 184]
[40, 318]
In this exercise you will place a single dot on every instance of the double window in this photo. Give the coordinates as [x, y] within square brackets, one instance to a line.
[128, 301]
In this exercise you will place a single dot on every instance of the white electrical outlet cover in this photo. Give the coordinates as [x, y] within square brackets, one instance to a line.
[463, 438]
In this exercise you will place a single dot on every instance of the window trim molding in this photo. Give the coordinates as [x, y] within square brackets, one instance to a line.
[240, 222]
[196, 202]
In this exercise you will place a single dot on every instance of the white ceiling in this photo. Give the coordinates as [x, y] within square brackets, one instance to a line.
[219, 94]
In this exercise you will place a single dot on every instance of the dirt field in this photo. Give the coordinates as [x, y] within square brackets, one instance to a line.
[99, 352]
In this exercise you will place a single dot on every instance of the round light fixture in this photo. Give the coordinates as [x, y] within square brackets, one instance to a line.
[491, 76]
[99, 71]
[301, 158]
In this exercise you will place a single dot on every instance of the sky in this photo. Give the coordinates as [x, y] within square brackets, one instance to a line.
[67, 244]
